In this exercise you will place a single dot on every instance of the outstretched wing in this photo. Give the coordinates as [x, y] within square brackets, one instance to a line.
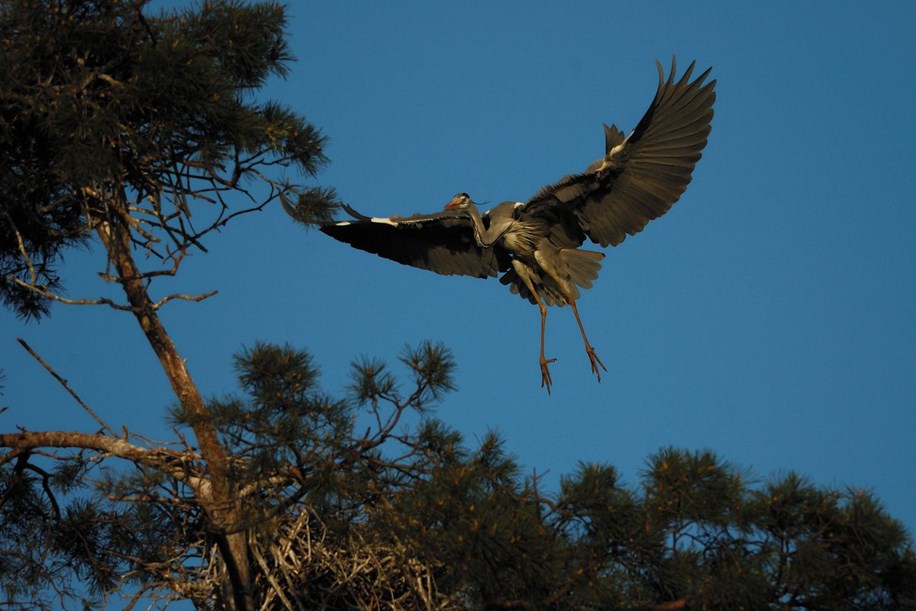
[640, 177]
[442, 242]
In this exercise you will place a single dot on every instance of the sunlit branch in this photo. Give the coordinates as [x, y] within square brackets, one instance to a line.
[183, 297]
[111, 446]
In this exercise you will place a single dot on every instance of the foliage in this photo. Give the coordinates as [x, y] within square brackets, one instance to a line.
[110, 114]
[143, 133]
[367, 501]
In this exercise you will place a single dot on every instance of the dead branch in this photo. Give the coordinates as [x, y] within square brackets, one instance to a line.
[304, 566]
[66, 300]
[65, 384]
[184, 297]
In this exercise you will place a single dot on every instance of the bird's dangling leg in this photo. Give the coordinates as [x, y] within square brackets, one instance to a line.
[545, 370]
[589, 349]
[526, 275]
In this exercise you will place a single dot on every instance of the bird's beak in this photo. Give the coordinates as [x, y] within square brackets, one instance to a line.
[453, 204]
[458, 202]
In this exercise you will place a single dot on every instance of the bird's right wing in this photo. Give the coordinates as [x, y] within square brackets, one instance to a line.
[641, 176]
[442, 242]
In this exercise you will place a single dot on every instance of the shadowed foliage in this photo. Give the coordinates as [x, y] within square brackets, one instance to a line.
[366, 500]
[143, 133]
[106, 111]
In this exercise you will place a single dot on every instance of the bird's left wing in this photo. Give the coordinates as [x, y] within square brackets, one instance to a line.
[641, 176]
[442, 242]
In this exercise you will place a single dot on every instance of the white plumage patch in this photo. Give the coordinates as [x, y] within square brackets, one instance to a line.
[384, 221]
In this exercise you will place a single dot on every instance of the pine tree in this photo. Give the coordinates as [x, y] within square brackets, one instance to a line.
[346, 505]
[114, 127]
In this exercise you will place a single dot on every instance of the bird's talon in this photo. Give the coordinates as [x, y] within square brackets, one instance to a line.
[595, 361]
[545, 373]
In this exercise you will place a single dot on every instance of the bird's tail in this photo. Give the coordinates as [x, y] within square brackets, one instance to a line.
[582, 265]
[578, 268]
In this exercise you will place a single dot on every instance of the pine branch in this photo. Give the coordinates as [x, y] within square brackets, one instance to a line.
[107, 445]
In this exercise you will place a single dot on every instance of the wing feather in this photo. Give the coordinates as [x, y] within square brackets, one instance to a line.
[442, 242]
[641, 177]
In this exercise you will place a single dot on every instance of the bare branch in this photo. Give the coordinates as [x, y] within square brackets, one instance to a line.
[112, 446]
[45, 482]
[65, 384]
[184, 297]
[66, 300]
[176, 464]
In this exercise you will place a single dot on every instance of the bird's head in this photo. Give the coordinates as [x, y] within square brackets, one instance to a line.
[461, 200]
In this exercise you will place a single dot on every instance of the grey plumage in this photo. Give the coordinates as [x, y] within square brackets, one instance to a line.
[535, 245]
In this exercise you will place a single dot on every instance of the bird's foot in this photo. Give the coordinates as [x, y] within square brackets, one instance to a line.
[545, 373]
[595, 361]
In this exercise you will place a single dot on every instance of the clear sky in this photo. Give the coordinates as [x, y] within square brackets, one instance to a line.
[770, 316]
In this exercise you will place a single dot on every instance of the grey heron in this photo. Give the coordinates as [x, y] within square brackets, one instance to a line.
[535, 244]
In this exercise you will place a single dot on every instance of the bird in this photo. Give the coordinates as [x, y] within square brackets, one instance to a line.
[535, 244]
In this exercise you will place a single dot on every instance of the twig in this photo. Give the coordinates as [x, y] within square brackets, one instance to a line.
[65, 300]
[275, 585]
[33, 277]
[66, 386]
[45, 482]
[184, 297]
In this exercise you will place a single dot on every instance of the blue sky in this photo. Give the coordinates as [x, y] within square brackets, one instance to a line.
[770, 316]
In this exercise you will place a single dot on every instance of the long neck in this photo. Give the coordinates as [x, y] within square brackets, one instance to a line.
[485, 237]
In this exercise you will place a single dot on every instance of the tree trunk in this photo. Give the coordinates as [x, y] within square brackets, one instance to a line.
[222, 506]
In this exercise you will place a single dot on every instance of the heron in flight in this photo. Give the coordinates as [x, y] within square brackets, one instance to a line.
[535, 244]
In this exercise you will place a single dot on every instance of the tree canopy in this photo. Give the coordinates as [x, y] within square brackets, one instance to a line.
[368, 501]
[144, 133]
[111, 115]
